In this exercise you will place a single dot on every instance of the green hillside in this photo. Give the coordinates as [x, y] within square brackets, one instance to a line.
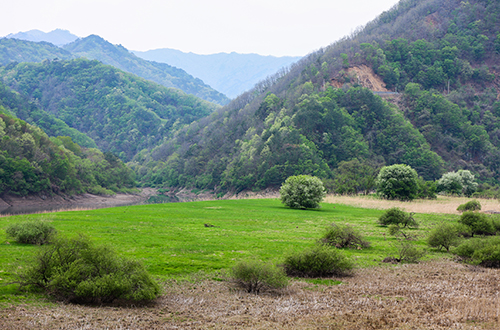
[319, 116]
[15, 50]
[95, 48]
[122, 113]
[20, 106]
[31, 162]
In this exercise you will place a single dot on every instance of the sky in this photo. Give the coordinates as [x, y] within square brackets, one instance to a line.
[265, 27]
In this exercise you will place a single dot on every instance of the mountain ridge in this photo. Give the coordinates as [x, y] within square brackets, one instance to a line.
[231, 73]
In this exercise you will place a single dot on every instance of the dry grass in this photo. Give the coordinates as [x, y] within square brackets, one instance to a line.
[433, 295]
[443, 204]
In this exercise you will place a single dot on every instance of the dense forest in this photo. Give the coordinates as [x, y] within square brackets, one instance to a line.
[31, 162]
[121, 112]
[440, 55]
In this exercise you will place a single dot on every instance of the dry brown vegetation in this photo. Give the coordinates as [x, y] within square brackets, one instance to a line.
[432, 295]
[443, 204]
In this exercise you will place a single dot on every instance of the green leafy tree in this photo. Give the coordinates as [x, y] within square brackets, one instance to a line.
[397, 182]
[302, 191]
[461, 182]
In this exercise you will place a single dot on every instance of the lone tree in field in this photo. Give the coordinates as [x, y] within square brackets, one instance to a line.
[397, 182]
[302, 191]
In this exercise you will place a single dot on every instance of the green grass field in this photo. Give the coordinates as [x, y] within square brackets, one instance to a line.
[173, 241]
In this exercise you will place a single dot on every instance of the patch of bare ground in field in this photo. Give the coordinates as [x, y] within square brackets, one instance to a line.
[437, 294]
[443, 204]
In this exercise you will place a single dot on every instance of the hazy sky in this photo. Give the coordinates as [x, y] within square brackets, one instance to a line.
[266, 27]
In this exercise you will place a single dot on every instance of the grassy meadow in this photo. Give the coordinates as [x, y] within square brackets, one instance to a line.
[173, 241]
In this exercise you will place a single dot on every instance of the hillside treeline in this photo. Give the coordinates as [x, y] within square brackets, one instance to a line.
[31, 162]
[121, 112]
[440, 55]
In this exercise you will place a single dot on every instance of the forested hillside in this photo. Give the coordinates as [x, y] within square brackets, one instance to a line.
[95, 48]
[231, 74]
[31, 162]
[20, 106]
[121, 112]
[320, 118]
[15, 50]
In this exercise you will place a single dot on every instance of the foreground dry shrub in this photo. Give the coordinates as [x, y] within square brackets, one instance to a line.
[430, 295]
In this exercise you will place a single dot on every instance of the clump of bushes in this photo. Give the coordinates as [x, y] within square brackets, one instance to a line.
[76, 270]
[302, 191]
[318, 261]
[445, 235]
[396, 216]
[255, 276]
[406, 253]
[37, 231]
[472, 205]
[482, 252]
[342, 236]
[479, 223]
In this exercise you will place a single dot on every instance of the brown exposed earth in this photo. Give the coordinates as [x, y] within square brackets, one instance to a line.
[62, 201]
[438, 294]
[365, 76]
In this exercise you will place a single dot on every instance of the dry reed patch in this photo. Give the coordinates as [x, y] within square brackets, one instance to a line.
[432, 295]
[443, 204]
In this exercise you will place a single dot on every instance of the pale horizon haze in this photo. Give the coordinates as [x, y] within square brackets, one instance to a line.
[272, 27]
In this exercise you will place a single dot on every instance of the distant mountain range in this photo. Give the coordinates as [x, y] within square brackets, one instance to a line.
[231, 74]
[57, 37]
[94, 47]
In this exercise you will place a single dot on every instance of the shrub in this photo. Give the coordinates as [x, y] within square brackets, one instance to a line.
[472, 205]
[341, 236]
[407, 252]
[318, 261]
[457, 183]
[479, 223]
[255, 276]
[302, 191]
[396, 216]
[31, 232]
[483, 252]
[445, 235]
[397, 182]
[75, 270]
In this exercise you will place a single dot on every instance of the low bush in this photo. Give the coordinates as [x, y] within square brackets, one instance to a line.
[479, 223]
[342, 236]
[401, 232]
[483, 252]
[255, 276]
[75, 270]
[472, 205]
[302, 191]
[408, 252]
[31, 232]
[444, 235]
[396, 216]
[318, 261]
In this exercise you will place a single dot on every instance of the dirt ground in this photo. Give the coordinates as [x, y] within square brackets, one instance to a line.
[438, 294]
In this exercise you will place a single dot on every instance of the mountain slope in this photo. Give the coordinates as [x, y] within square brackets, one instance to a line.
[31, 163]
[94, 47]
[442, 55]
[57, 37]
[119, 111]
[232, 74]
[15, 50]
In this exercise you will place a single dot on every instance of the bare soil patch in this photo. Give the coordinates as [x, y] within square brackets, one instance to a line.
[432, 295]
